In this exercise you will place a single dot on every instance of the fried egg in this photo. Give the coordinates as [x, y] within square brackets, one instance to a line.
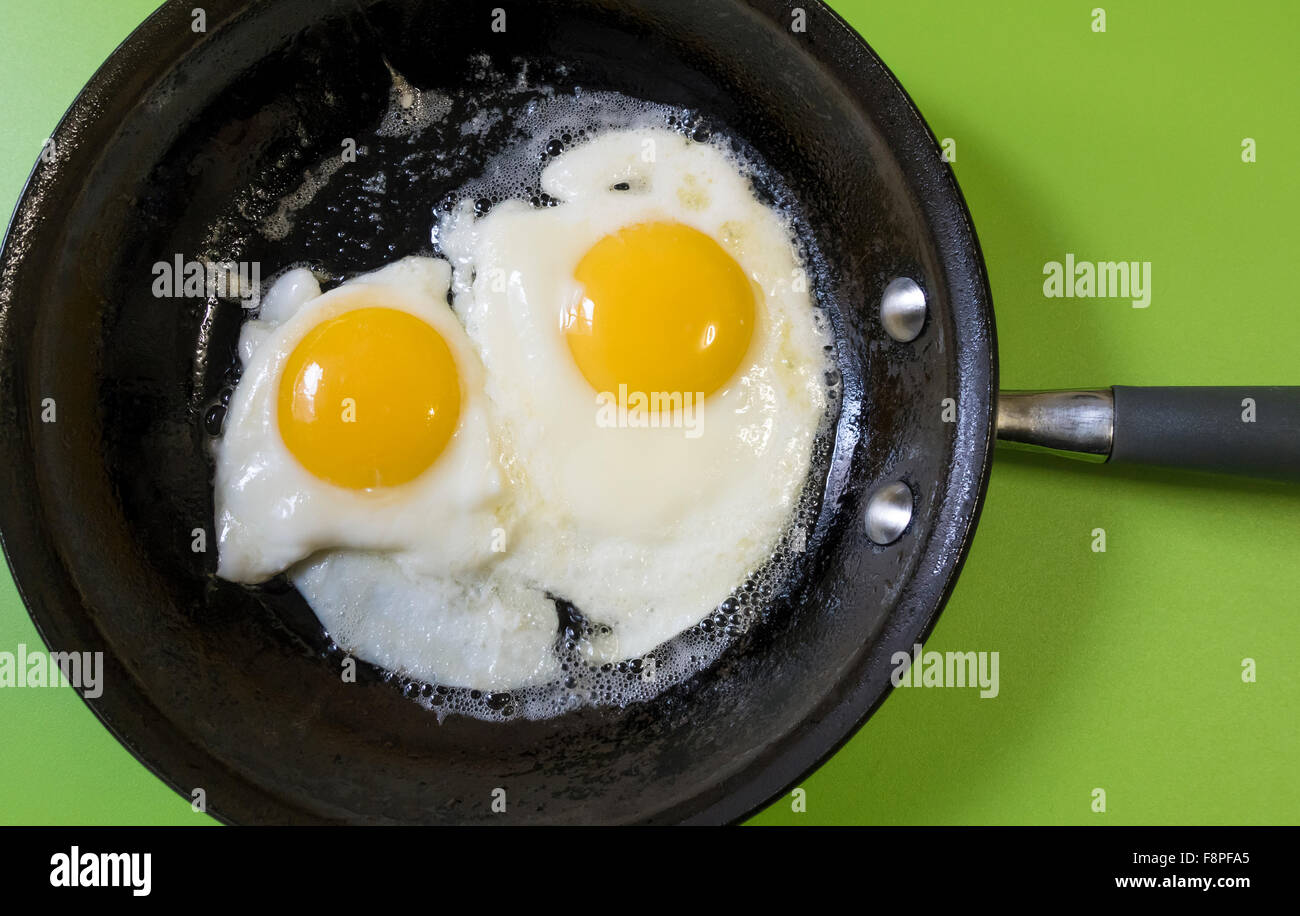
[656, 369]
[358, 454]
[359, 422]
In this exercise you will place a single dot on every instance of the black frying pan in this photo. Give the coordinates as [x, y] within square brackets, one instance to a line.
[236, 690]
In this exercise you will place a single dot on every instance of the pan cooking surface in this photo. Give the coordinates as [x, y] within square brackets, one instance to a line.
[187, 144]
[424, 151]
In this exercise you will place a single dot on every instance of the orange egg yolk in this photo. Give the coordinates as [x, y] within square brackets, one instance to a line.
[663, 309]
[369, 398]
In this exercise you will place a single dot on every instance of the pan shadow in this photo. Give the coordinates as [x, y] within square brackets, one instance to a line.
[1253, 492]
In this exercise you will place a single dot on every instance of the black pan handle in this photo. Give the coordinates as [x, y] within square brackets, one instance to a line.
[1250, 431]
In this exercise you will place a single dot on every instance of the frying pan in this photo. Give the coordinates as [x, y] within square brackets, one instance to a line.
[236, 690]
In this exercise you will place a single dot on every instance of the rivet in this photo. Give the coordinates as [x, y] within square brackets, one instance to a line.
[889, 510]
[902, 309]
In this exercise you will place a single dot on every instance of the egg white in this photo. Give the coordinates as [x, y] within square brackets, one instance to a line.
[482, 631]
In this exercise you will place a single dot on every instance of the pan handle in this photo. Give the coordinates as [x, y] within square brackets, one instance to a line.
[1254, 432]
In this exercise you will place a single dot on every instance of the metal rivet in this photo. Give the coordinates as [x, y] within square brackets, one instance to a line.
[902, 309]
[889, 510]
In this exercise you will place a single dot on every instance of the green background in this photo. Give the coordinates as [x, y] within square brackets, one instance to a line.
[1119, 670]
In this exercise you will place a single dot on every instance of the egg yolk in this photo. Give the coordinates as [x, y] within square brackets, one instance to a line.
[663, 309]
[369, 398]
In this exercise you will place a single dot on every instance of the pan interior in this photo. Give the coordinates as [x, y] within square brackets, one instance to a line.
[238, 689]
[426, 152]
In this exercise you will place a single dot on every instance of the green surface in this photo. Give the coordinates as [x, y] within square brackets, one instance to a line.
[1118, 670]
